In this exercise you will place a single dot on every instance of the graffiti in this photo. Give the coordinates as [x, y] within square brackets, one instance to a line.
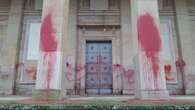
[180, 64]
[149, 39]
[48, 47]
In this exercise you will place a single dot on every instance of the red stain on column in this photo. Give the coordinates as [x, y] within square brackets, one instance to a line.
[48, 44]
[149, 39]
[48, 39]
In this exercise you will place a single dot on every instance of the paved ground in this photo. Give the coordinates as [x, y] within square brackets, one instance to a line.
[122, 100]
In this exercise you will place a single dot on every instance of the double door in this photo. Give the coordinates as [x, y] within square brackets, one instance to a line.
[99, 68]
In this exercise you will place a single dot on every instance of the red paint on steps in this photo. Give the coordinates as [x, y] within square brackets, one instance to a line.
[149, 39]
[48, 38]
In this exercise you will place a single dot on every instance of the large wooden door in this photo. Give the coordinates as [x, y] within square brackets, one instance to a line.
[98, 68]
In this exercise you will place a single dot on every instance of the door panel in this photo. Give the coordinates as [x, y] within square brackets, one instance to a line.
[98, 68]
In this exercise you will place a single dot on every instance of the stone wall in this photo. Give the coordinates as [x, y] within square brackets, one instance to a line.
[5, 76]
[13, 53]
[10, 18]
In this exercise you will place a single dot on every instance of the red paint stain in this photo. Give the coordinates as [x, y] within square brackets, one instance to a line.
[149, 39]
[180, 64]
[51, 68]
[48, 39]
[127, 73]
[168, 74]
[167, 68]
[48, 44]
[79, 69]
[32, 72]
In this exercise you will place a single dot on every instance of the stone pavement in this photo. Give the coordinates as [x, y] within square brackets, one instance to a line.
[128, 100]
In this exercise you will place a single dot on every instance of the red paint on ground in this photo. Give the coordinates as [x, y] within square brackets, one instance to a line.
[48, 40]
[149, 39]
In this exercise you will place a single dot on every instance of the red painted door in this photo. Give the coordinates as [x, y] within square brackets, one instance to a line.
[99, 68]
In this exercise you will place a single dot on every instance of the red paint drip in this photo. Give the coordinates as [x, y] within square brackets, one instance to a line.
[48, 44]
[51, 68]
[167, 68]
[149, 38]
[180, 64]
[48, 39]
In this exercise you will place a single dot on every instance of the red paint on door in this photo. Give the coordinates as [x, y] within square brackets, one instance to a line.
[149, 39]
[48, 38]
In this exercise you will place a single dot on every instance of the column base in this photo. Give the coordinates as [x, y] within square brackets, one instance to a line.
[45, 95]
[152, 94]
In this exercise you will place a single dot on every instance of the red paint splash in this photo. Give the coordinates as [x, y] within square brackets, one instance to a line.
[32, 72]
[78, 69]
[48, 44]
[180, 64]
[127, 73]
[149, 38]
[48, 39]
[168, 70]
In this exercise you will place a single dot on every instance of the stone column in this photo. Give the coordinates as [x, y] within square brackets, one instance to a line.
[186, 41]
[10, 48]
[53, 29]
[149, 77]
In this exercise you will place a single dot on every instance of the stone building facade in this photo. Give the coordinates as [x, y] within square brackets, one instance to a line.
[97, 47]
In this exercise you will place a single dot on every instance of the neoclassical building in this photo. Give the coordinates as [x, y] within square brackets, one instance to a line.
[97, 47]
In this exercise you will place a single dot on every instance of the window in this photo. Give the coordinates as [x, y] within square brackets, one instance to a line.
[33, 41]
[38, 4]
[99, 4]
[167, 42]
[84, 4]
[33, 4]
[114, 4]
[166, 4]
